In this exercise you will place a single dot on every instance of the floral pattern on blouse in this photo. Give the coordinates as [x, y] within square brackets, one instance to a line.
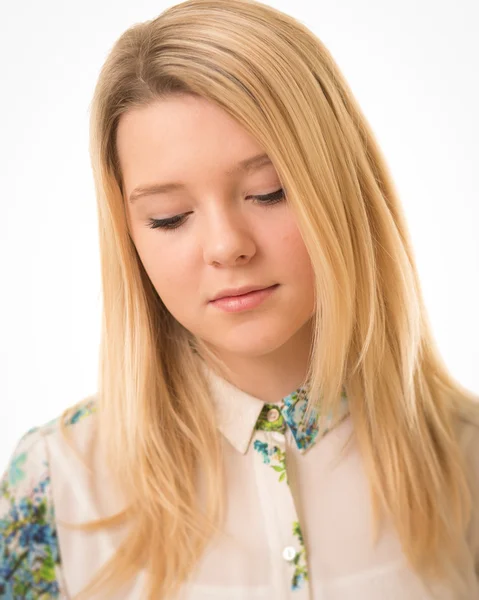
[29, 551]
[293, 410]
[28, 541]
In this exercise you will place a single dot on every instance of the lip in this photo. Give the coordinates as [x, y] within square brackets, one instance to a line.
[233, 292]
[245, 301]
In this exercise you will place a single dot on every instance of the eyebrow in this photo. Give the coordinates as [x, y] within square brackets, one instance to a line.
[252, 163]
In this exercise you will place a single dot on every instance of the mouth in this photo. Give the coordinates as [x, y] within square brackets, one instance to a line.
[244, 302]
[238, 292]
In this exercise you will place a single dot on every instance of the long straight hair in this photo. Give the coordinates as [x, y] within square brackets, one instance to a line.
[371, 333]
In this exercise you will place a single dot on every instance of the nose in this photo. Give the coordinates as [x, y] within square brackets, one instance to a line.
[228, 239]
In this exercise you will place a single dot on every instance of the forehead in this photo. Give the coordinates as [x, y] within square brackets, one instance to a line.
[179, 124]
[181, 137]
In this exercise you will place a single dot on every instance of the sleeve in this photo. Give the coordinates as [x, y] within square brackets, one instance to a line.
[29, 552]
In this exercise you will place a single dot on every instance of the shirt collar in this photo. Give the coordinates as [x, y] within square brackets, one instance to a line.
[239, 414]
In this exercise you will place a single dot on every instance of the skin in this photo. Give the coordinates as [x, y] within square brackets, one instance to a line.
[227, 240]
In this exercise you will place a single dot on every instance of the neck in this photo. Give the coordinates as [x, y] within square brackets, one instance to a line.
[275, 375]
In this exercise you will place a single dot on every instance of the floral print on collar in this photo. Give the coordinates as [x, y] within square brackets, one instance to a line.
[292, 409]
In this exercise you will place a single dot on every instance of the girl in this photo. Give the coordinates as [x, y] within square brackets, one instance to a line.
[273, 420]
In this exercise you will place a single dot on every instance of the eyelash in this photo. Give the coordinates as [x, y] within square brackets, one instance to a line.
[178, 220]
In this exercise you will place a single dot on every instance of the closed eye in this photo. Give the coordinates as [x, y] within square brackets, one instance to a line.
[270, 198]
[178, 220]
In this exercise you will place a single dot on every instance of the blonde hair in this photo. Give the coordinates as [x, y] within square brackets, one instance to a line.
[371, 333]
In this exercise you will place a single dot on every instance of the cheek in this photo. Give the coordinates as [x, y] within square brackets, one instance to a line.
[172, 285]
[293, 251]
[164, 264]
[168, 278]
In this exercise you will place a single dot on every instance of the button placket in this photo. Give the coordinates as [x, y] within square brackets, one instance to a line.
[281, 518]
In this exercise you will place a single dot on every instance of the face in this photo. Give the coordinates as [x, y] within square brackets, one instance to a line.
[207, 225]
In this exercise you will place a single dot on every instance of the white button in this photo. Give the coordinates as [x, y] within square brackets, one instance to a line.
[289, 553]
[272, 415]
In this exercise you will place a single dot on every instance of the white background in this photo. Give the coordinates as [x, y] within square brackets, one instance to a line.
[413, 66]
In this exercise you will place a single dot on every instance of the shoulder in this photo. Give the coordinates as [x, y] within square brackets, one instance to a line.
[29, 552]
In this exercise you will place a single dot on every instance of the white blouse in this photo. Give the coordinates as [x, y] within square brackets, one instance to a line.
[298, 523]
